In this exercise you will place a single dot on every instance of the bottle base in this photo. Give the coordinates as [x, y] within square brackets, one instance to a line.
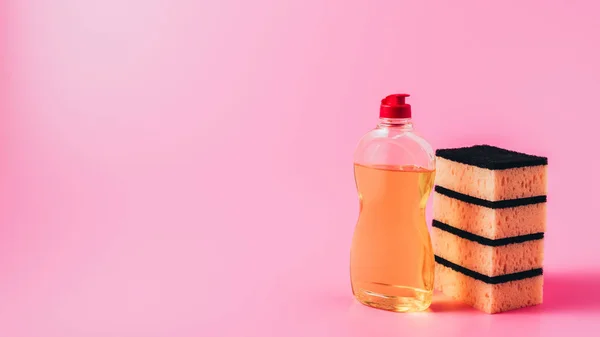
[413, 300]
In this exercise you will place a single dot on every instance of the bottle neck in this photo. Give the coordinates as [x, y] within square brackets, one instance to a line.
[403, 123]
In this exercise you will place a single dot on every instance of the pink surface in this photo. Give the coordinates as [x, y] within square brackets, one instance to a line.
[184, 168]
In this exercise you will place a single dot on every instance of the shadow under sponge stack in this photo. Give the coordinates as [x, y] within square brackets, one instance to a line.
[489, 209]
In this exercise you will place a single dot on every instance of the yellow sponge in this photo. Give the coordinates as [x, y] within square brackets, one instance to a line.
[489, 213]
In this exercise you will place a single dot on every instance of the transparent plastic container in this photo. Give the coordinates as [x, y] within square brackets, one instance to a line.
[391, 260]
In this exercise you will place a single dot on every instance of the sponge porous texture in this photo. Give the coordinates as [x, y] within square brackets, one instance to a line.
[490, 261]
[489, 298]
[489, 210]
[493, 185]
[488, 222]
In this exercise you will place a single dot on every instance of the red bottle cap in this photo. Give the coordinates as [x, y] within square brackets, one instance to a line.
[393, 106]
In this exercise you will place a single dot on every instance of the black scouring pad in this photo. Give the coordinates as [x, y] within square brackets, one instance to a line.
[490, 157]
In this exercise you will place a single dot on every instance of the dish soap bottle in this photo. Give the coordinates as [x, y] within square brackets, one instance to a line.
[391, 259]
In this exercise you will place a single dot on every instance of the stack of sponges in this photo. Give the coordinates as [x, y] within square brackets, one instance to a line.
[488, 228]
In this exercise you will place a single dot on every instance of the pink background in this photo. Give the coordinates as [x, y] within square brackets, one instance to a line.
[184, 168]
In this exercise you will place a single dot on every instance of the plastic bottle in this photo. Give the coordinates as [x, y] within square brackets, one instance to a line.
[391, 260]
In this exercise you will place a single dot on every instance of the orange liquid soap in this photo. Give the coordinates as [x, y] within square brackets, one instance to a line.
[391, 260]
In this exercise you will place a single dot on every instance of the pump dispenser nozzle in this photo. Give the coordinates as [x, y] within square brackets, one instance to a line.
[394, 106]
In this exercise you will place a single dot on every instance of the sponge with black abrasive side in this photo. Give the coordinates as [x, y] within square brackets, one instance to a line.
[489, 223]
[491, 173]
